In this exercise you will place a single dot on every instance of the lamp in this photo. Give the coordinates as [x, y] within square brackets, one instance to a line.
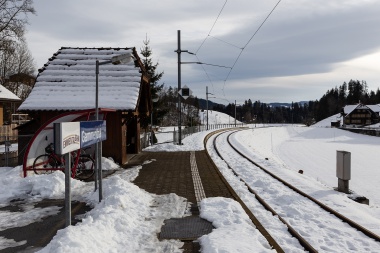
[122, 59]
[115, 60]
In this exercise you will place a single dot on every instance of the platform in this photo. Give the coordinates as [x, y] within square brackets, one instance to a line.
[173, 172]
[188, 174]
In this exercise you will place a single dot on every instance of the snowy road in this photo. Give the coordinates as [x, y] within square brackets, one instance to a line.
[322, 230]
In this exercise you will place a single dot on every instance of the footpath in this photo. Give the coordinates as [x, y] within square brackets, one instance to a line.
[189, 174]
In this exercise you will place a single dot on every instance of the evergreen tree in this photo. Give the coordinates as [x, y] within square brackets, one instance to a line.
[151, 68]
[154, 78]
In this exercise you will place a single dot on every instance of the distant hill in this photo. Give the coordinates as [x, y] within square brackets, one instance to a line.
[277, 104]
[202, 104]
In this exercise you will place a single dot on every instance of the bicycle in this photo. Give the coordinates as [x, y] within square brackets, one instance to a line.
[82, 166]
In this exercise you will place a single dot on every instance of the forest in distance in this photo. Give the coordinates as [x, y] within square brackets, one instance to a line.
[304, 112]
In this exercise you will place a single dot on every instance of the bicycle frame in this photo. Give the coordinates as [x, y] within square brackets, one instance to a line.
[59, 158]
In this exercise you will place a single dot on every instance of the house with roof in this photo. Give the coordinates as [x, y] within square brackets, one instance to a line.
[65, 88]
[360, 115]
[6, 96]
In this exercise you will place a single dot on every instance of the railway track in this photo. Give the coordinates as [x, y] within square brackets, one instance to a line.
[317, 233]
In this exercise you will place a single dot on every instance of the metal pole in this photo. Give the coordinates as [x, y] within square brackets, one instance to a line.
[235, 113]
[96, 117]
[100, 172]
[179, 87]
[67, 190]
[98, 145]
[151, 127]
[7, 144]
[207, 106]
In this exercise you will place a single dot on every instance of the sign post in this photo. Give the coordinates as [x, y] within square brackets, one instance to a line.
[71, 136]
[66, 140]
[67, 190]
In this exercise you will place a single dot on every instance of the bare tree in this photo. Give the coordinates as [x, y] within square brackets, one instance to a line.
[13, 18]
[17, 69]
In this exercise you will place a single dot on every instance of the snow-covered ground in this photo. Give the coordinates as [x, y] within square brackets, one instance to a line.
[128, 218]
[321, 229]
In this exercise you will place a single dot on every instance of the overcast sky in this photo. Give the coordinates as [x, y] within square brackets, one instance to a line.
[303, 49]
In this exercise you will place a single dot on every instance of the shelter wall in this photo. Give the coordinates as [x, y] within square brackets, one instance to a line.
[115, 146]
[133, 136]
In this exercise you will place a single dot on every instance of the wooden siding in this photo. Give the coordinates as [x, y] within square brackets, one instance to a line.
[114, 145]
[361, 117]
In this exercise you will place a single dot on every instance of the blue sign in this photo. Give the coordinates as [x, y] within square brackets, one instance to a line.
[92, 132]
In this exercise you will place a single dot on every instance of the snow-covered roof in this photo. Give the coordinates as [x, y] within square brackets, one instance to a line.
[349, 108]
[7, 95]
[375, 108]
[68, 81]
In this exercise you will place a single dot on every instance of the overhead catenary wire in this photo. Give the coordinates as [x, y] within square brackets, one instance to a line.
[246, 44]
[228, 43]
[212, 27]
[209, 64]
[233, 45]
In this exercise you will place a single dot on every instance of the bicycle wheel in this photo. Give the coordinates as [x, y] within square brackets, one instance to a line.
[45, 164]
[85, 168]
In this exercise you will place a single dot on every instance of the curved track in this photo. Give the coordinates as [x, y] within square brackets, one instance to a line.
[245, 176]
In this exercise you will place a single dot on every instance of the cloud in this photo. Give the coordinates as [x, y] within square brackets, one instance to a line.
[305, 40]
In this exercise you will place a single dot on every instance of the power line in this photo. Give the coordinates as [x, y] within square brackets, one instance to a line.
[233, 65]
[241, 48]
[216, 20]
[262, 24]
[212, 27]
[228, 43]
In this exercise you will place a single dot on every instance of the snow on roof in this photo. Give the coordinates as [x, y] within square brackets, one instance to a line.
[349, 108]
[374, 108]
[68, 81]
[6, 94]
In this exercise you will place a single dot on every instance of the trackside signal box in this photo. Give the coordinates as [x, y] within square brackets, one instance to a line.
[343, 170]
[343, 165]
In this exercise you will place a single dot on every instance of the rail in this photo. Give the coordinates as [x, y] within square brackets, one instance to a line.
[291, 230]
[250, 214]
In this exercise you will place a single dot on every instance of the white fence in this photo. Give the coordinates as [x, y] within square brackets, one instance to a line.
[172, 136]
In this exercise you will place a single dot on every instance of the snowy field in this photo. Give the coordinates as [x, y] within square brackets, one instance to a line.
[128, 218]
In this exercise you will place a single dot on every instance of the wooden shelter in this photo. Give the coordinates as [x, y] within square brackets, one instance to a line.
[67, 84]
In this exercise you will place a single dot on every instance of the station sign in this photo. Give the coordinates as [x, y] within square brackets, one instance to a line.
[70, 136]
[92, 132]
